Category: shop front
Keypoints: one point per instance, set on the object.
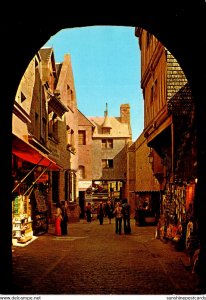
(30, 174)
(177, 212)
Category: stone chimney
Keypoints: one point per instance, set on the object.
(125, 113)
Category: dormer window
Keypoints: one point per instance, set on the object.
(106, 130)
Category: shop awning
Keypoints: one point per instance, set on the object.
(25, 151)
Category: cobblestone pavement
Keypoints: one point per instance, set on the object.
(92, 259)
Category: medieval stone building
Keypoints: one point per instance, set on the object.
(168, 128)
(43, 169)
(110, 140)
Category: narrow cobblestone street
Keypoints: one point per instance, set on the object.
(92, 259)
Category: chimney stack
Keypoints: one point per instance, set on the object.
(125, 113)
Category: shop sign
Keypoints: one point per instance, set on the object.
(85, 184)
(54, 151)
(88, 197)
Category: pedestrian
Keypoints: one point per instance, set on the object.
(89, 212)
(118, 218)
(126, 216)
(109, 211)
(64, 221)
(100, 213)
(58, 219)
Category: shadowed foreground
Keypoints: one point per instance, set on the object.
(92, 259)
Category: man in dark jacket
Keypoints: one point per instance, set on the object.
(126, 216)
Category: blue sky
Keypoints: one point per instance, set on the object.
(106, 68)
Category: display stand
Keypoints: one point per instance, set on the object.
(22, 223)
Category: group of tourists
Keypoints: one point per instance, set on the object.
(120, 211)
(61, 218)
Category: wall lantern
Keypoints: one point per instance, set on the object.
(150, 156)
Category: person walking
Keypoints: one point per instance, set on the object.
(100, 213)
(58, 219)
(64, 221)
(118, 218)
(126, 216)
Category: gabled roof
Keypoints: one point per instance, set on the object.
(46, 53)
(85, 118)
(118, 129)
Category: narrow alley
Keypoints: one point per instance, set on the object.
(92, 259)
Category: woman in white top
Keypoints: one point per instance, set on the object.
(118, 218)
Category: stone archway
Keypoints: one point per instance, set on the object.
(179, 26)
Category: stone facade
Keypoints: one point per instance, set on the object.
(69, 135)
(45, 119)
(85, 158)
(109, 148)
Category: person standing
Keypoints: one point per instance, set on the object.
(89, 212)
(118, 218)
(100, 213)
(126, 216)
(64, 221)
(58, 219)
(109, 211)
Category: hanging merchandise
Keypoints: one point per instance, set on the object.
(40, 211)
(22, 224)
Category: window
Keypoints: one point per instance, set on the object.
(107, 163)
(82, 137)
(53, 126)
(110, 163)
(110, 143)
(104, 163)
(104, 143)
(107, 143)
(43, 132)
(106, 130)
(81, 172)
(23, 97)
